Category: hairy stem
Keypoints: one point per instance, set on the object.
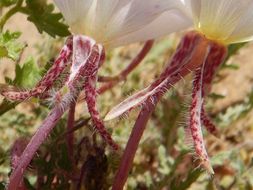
(188, 57)
(38, 138)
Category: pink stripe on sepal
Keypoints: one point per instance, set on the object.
(86, 77)
(195, 122)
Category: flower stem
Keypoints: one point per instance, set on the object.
(132, 145)
(38, 138)
(9, 14)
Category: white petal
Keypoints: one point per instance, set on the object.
(139, 14)
(191, 8)
(73, 10)
(168, 22)
(100, 15)
(244, 29)
(220, 19)
(119, 22)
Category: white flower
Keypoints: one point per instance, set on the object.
(119, 22)
(227, 21)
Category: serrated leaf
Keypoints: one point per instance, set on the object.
(9, 47)
(41, 14)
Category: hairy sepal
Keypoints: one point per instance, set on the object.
(188, 57)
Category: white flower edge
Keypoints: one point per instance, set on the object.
(229, 21)
(119, 22)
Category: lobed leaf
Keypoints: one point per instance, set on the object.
(41, 14)
(9, 47)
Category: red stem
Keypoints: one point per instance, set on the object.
(132, 145)
(112, 81)
(38, 138)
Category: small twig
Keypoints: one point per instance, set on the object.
(77, 126)
(9, 14)
(112, 81)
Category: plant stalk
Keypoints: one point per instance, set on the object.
(29, 152)
(9, 14)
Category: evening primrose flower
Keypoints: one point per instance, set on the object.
(217, 24)
(118, 22)
(226, 21)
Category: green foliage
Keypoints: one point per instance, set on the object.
(42, 15)
(9, 46)
(6, 3)
(26, 75)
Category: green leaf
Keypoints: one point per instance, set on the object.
(9, 47)
(215, 96)
(27, 75)
(3, 52)
(234, 48)
(41, 14)
(6, 3)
